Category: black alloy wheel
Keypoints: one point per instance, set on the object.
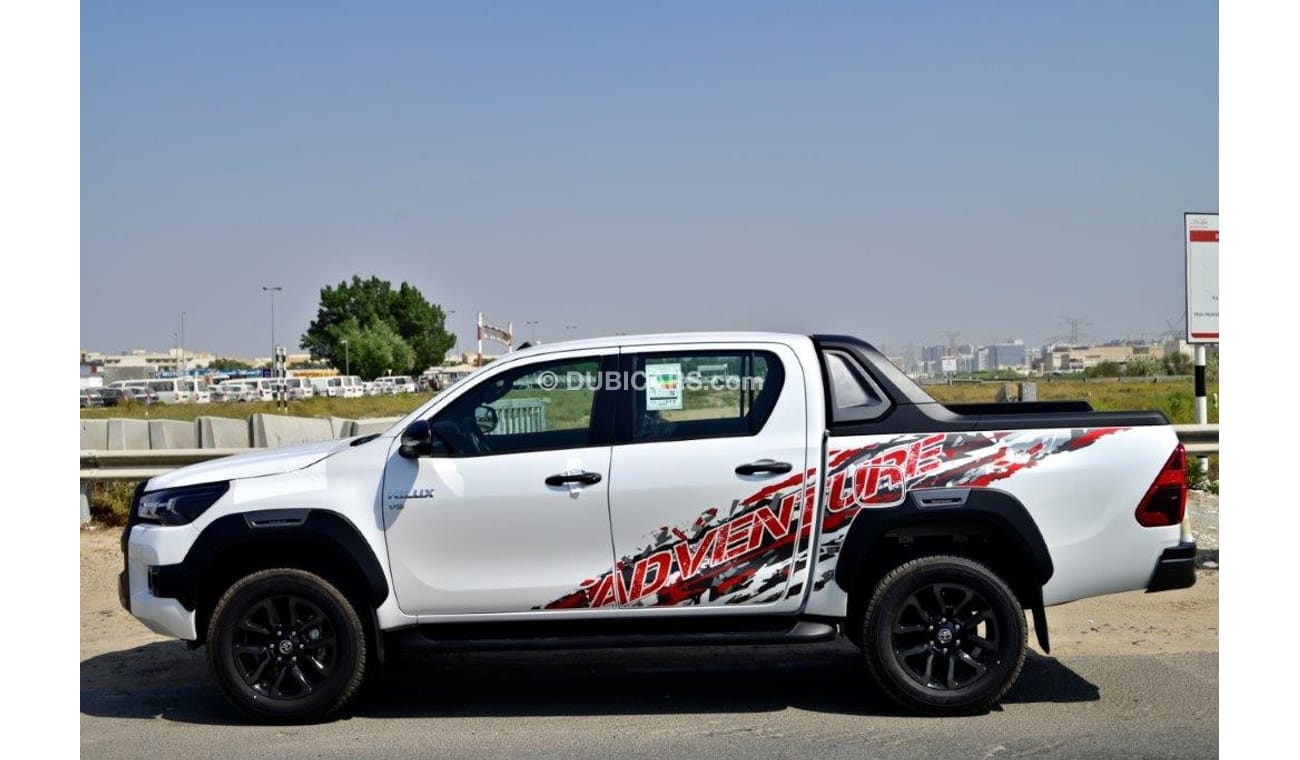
(943, 635)
(285, 645)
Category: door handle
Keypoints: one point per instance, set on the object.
(565, 478)
(763, 465)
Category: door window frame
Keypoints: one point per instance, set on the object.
(600, 430)
(625, 403)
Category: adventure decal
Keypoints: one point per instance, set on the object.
(758, 550)
(880, 473)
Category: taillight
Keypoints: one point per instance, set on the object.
(1166, 500)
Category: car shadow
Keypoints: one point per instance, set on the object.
(165, 680)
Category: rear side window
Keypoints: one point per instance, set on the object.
(854, 396)
(683, 396)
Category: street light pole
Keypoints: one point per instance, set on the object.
(271, 289)
(532, 329)
(183, 367)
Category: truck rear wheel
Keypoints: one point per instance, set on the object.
(286, 646)
(943, 635)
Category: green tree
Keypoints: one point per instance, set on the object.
(1178, 364)
(227, 364)
(377, 350)
(1143, 366)
(1104, 369)
(360, 305)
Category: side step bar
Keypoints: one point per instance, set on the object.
(454, 638)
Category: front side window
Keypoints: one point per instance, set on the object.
(538, 407)
(704, 394)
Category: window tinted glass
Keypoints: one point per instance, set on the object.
(704, 395)
(532, 408)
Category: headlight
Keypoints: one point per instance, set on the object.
(178, 506)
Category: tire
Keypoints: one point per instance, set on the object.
(305, 622)
(943, 635)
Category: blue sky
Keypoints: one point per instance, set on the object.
(889, 170)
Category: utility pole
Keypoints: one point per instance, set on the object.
(1074, 323)
(347, 358)
(274, 354)
(272, 290)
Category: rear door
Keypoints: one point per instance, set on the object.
(710, 494)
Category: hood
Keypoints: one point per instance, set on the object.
(255, 464)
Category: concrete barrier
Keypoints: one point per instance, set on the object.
(173, 434)
(373, 425)
(278, 430)
(94, 434)
(341, 427)
(128, 434)
(222, 433)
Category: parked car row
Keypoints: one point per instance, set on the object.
(189, 391)
(92, 397)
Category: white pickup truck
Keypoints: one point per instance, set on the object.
(666, 489)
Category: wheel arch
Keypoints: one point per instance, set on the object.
(318, 540)
(987, 525)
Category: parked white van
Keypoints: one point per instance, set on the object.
(339, 386)
(232, 390)
(198, 391)
(397, 383)
(299, 388)
(170, 391)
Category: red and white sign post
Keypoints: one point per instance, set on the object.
(1201, 245)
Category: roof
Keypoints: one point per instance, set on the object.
(639, 340)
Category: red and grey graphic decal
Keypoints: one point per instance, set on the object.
(881, 473)
(758, 550)
(746, 554)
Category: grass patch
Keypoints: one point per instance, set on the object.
(1175, 400)
(110, 501)
(351, 408)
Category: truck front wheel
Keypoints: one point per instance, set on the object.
(943, 635)
(286, 646)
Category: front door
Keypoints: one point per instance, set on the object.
(511, 508)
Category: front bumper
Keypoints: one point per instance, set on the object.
(1175, 569)
(161, 614)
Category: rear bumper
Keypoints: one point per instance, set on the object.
(1175, 569)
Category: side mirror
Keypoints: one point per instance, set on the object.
(485, 417)
(417, 440)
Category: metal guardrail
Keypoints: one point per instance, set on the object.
(138, 464)
(1199, 440)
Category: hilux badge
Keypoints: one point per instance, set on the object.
(415, 493)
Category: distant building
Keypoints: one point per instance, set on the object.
(1007, 355)
(1077, 358)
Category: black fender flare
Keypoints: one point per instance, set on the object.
(997, 510)
(930, 512)
(332, 534)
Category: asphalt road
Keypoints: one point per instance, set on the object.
(156, 700)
